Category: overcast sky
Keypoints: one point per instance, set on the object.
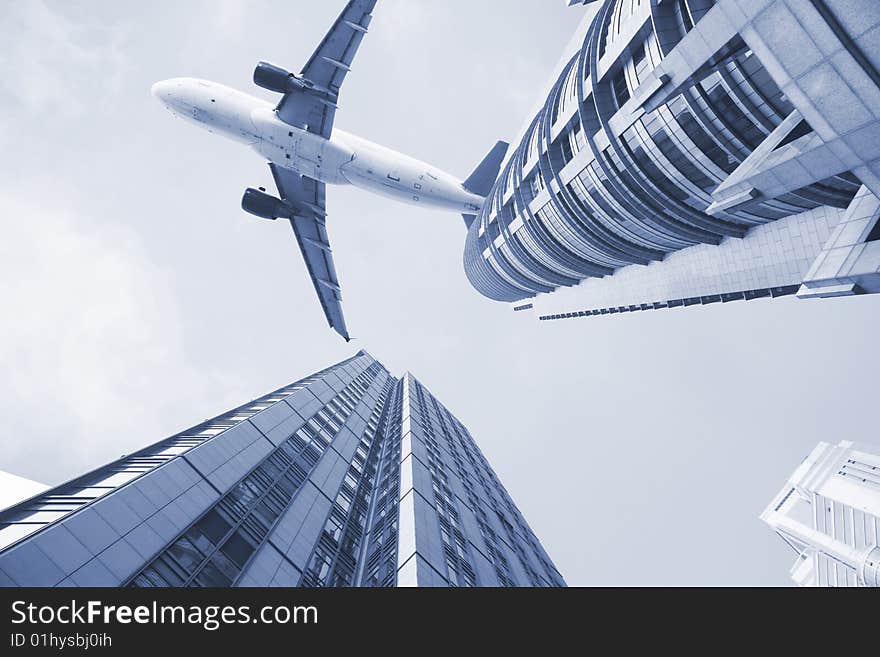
(138, 299)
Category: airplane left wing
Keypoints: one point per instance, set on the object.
(306, 198)
(315, 105)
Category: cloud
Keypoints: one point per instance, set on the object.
(90, 325)
(75, 60)
(227, 18)
(402, 20)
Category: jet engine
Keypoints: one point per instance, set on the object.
(274, 78)
(263, 205)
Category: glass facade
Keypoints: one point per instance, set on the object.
(662, 107)
(350, 477)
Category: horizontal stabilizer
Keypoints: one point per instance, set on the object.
(481, 180)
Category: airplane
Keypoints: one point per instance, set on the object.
(306, 154)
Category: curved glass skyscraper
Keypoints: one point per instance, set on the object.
(685, 126)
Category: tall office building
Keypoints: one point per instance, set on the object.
(829, 514)
(351, 477)
(691, 152)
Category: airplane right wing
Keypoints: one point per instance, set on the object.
(306, 197)
(315, 106)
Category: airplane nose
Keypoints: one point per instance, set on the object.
(160, 90)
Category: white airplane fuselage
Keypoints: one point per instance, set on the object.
(344, 159)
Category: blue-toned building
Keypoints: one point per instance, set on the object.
(691, 152)
(350, 477)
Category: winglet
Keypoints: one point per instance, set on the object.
(481, 180)
(341, 330)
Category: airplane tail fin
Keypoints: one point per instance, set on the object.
(481, 180)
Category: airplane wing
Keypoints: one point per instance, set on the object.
(325, 71)
(307, 198)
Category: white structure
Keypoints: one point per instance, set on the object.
(15, 489)
(829, 513)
